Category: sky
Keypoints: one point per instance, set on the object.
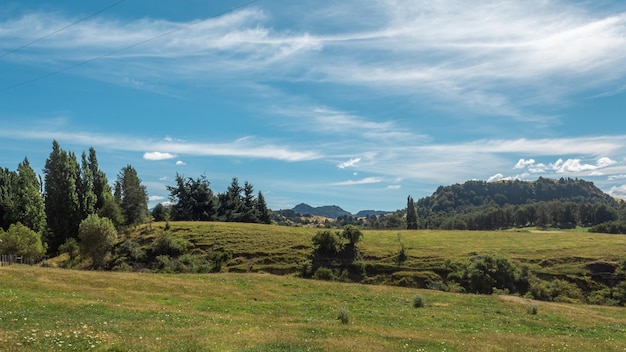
(351, 103)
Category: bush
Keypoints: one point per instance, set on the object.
(326, 274)
(169, 245)
(327, 243)
(20, 240)
(344, 315)
(97, 236)
(418, 301)
(71, 248)
(488, 272)
(532, 310)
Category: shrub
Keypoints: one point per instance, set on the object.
(20, 240)
(323, 273)
(344, 315)
(532, 310)
(326, 243)
(71, 248)
(97, 236)
(169, 245)
(352, 233)
(488, 272)
(418, 301)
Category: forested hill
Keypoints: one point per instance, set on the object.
(455, 198)
(484, 205)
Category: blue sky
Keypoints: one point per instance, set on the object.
(353, 103)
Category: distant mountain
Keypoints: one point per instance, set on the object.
(328, 211)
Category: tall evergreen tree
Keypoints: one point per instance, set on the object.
(265, 216)
(61, 196)
(411, 214)
(231, 203)
(101, 186)
(8, 185)
(86, 195)
(30, 209)
(131, 196)
(250, 211)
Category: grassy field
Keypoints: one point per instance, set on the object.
(282, 249)
(46, 309)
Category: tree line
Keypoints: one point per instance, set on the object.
(194, 200)
(43, 215)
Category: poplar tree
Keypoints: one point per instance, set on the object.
(61, 196)
(101, 187)
(86, 195)
(411, 214)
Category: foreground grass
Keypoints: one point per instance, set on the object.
(44, 309)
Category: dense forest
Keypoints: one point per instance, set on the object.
(544, 203)
(75, 207)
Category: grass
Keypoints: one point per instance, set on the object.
(46, 309)
(281, 249)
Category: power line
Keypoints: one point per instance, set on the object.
(111, 53)
(61, 29)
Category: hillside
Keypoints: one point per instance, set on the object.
(45, 309)
(480, 205)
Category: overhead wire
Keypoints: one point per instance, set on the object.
(111, 53)
(62, 29)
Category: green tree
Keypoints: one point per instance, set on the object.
(161, 213)
(20, 240)
(29, 204)
(250, 211)
(131, 196)
(97, 236)
(231, 204)
(327, 243)
(101, 187)
(193, 199)
(265, 216)
(8, 187)
(86, 194)
(411, 214)
(61, 196)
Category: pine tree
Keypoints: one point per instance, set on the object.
(251, 213)
(131, 196)
(61, 196)
(8, 186)
(265, 216)
(231, 203)
(411, 214)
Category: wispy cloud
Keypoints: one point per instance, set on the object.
(495, 57)
(244, 148)
(364, 181)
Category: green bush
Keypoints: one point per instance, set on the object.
(19, 240)
(97, 236)
(344, 315)
(167, 244)
(418, 301)
(323, 273)
(532, 310)
(326, 243)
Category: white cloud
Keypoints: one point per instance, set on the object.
(164, 178)
(350, 163)
(576, 166)
(180, 163)
(155, 198)
(618, 191)
(522, 163)
(158, 156)
(616, 177)
(495, 178)
(364, 181)
(394, 187)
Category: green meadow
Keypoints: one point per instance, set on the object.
(244, 308)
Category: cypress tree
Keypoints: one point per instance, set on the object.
(411, 214)
(265, 216)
